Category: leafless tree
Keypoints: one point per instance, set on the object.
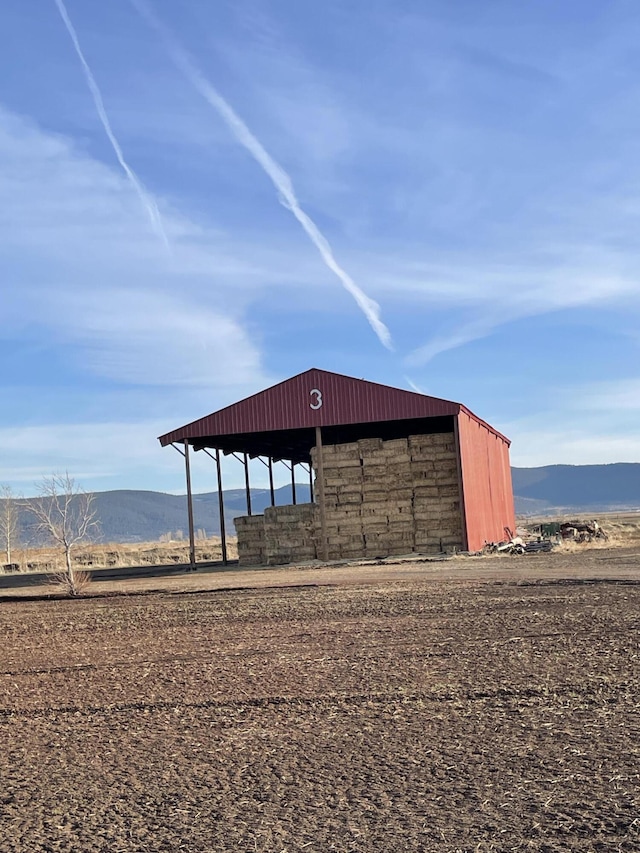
(9, 509)
(65, 514)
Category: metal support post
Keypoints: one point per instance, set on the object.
(271, 489)
(246, 483)
(192, 538)
(223, 532)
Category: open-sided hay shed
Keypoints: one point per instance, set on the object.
(392, 471)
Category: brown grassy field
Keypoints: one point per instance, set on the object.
(623, 529)
(120, 554)
(484, 704)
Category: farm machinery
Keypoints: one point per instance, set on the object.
(545, 536)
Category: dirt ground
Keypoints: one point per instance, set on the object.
(469, 705)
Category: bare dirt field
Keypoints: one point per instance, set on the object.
(469, 705)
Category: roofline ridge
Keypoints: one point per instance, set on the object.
(379, 384)
(455, 408)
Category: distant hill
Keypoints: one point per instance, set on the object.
(132, 516)
(142, 516)
(577, 487)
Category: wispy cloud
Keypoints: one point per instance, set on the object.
(615, 397)
(514, 294)
(95, 454)
(413, 385)
(82, 269)
(115, 454)
(148, 338)
(576, 421)
(147, 200)
(458, 337)
(301, 103)
(477, 178)
(275, 172)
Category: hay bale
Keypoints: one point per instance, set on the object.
(401, 497)
(422, 467)
(343, 477)
(425, 493)
(400, 526)
(373, 529)
(346, 464)
(350, 489)
(343, 514)
(397, 445)
(368, 446)
(349, 498)
(446, 491)
(331, 480)
(375, 463)
(374, 509)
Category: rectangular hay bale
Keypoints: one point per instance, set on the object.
(367, 446)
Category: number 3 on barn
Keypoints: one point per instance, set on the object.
(316, 398)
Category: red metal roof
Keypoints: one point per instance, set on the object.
(315, 398)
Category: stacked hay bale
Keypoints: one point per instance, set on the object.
(382, 498)
(289, 533)
(393, 497)
(252, 546)
(343, 481)
(387, 519)
(368, 498)
(436, 492)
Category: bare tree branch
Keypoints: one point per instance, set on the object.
(9, 513)
(65, 514)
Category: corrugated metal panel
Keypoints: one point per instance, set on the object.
(314, 398)
(486, 481)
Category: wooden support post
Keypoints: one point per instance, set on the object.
(324, 545)
(246, 483)
(310, 483)
(293, 482)
(192, 537)
(223, 532)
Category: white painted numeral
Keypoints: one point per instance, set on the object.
(317, 404)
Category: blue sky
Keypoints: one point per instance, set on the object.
(475, 168)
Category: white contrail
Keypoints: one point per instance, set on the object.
(413, 385)
(279, 177)
(146, 199)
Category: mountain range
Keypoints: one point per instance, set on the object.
(576, 488)
(144, 516)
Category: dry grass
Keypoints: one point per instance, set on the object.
(67, 585)
(571, 546)
(622, 529)
(120, 555)
(585, 565)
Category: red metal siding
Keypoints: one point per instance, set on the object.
(486, 482)
(345, 400)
